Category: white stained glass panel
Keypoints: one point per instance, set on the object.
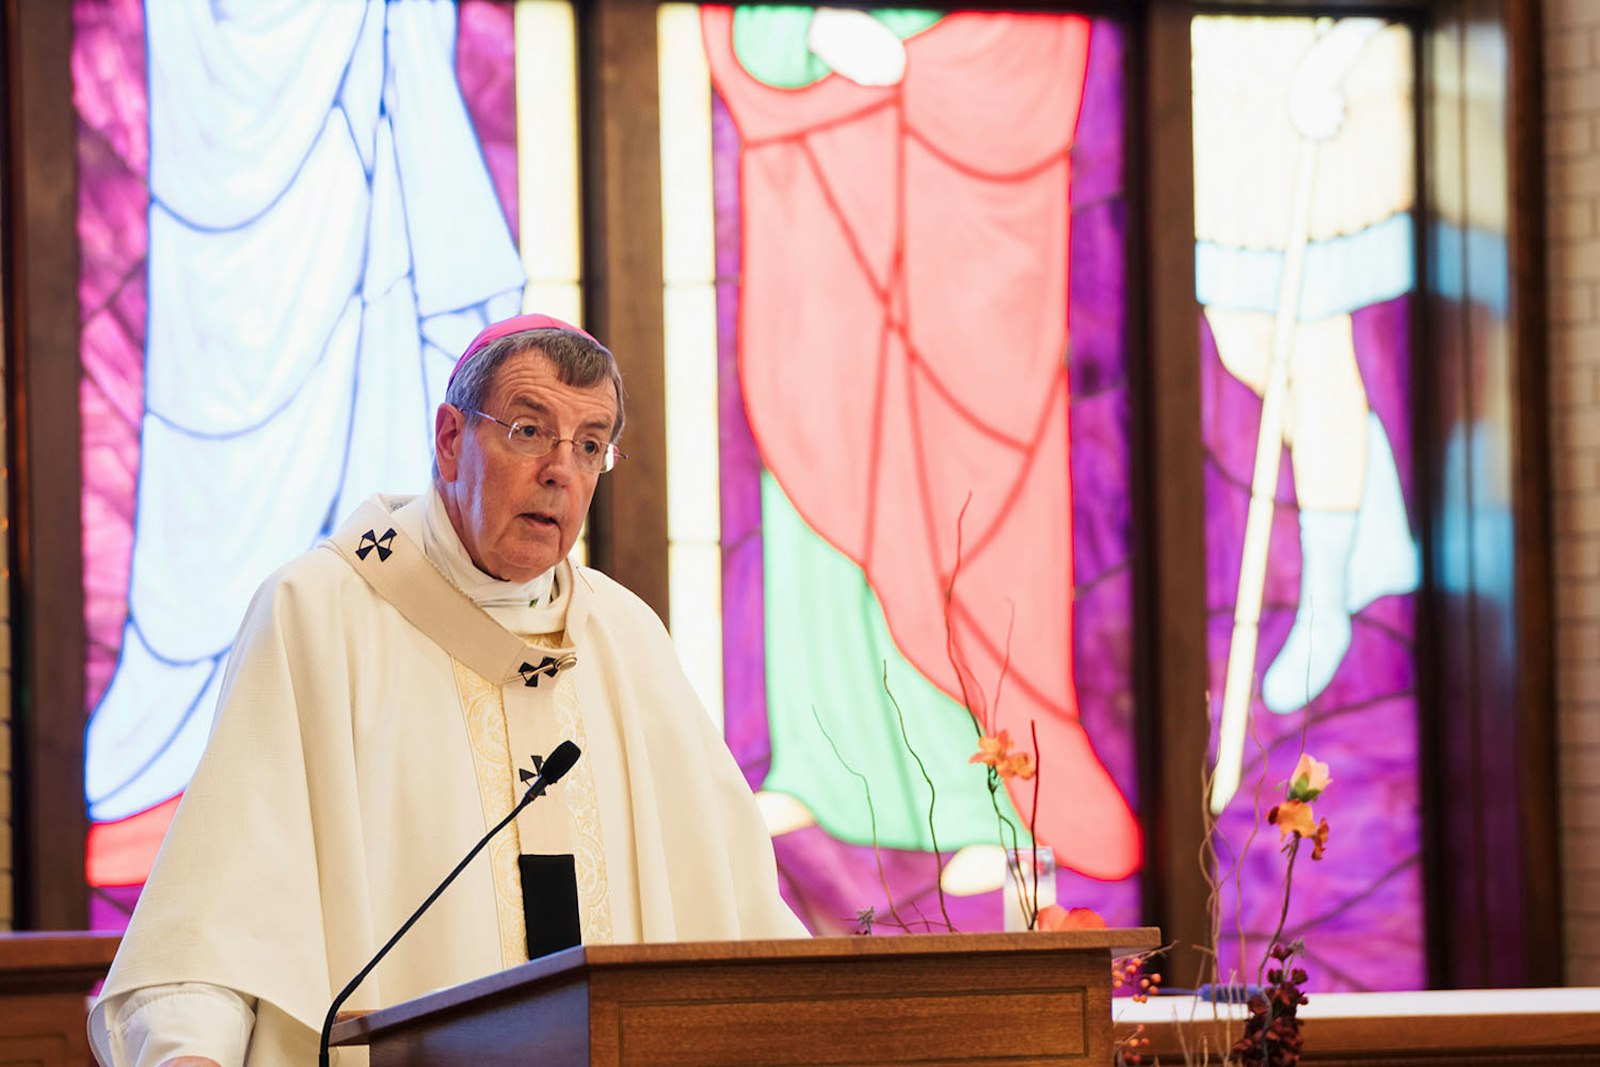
(694, 557)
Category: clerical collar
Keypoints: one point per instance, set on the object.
(443, 546)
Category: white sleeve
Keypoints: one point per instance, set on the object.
(151, 1025)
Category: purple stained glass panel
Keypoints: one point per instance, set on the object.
(1335, 558)
(113, 156)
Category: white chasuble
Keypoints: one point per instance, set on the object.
(356, 758)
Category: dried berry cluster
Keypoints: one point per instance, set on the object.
(1272, 1036)
(1128, 1052)
(1125, 971)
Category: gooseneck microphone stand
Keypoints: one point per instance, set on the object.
(557, 765)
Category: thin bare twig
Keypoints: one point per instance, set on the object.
(1199, 1052)
(872, 816)
(981, 719)
(1005, 664)
(1033, 821)
(1005, 827)
(952, 650)
(933, 795)
(1255, 830)
(1283, 915)
(927, 923)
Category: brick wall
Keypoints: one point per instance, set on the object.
(1572, 184)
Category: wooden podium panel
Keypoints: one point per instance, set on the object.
(45, 979)
(1014, 999)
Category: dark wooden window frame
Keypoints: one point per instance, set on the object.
(1492, 867)
(49, 820)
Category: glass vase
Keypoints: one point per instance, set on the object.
(1030, 885)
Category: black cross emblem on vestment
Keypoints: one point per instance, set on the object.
(370, 541)
(549, 666)
(538, 766)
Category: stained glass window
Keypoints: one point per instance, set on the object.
(290, 225)
(898, 405)
(1305, 184)
(905, 281)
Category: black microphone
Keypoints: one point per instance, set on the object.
(555, 766)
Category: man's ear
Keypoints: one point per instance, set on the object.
(449, 426)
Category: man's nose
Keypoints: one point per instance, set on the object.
(559, 464)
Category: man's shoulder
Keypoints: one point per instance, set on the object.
(307, 601)
(323, 568)
(314, 574)
(634, 642)
(614, 602)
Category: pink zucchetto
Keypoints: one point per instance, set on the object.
(516, 324)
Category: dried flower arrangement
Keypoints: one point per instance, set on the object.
(1272, 1035)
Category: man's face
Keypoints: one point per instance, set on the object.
(519, 515)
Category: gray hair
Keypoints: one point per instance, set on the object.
(580, 361)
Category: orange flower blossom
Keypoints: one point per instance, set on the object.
(996, 752)
(1055, 917)
(1293, 817)
(1319, 840)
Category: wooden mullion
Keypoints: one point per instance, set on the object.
(1488, 668)
(623, 281)
(50, 821)
(1171, 576)
(1534, 705)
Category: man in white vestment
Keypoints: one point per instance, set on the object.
(384, 695)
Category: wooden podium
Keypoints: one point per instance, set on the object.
(1030, 998)
(45, 979)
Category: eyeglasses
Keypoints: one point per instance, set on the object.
(594, 455)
